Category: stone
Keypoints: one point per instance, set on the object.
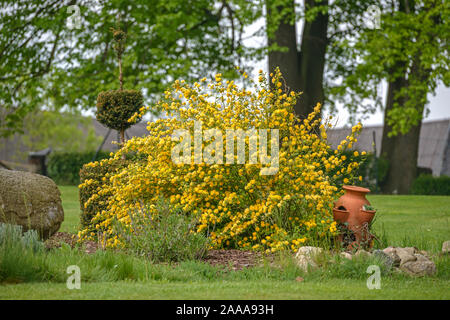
(31, 201)
(397, 270)
(421, 257)
(446, 247)
(410, 250)
(387, 259)
(346, 255)
(392, 253)
(405, 255)
(419, 267)
(305, 257)
(362, 253)
(424, 253)
(389, 250)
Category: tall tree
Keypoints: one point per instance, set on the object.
(407, 93)
(411, 52)
(60, 50)
(309, 65)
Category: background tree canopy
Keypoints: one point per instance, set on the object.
(45, 62)
(58, 55)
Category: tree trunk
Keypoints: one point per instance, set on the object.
(402, 160)
(303, 71)
(288, 62)
(402, 151)
(389, 144)
(122, 137)
(312, 64)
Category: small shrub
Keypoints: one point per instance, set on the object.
(12, 235)
(20, 255)
(166, 236)
(429, 185)
(64, 167)
(23, 258)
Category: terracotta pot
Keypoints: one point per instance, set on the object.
(366, 216)
(340, 216)
(349, 209)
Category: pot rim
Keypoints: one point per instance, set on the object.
(356, 189)
(368, 211)
(339, 210)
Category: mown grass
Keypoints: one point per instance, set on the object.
(71, 204)
(401, 221)
(345, 289)
(419, 221)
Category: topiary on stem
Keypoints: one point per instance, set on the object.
(115, 107)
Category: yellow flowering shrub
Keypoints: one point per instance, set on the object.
(233, 204)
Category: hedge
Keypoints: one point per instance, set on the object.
(94, 176)
(64, 167)
(426, 184)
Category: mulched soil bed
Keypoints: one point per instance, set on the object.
(70, 239)
(235, 259)
(230, 258)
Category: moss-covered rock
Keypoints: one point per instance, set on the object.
(31, 201)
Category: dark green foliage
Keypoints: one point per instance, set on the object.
(64, 167)
(115, 107)
(95, 172)
(370, 168)
(166, 40)
(426, 184)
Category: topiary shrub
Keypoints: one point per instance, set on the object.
(114, 110)
(64, 167)
(94, 178)
(115, 107)
(426, 184)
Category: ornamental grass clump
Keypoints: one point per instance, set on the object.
(164, 237)
(234, 204)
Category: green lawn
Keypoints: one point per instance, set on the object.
(71, 204)
(329, 289)
(421, 221)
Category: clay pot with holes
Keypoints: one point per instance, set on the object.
(350, 210)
